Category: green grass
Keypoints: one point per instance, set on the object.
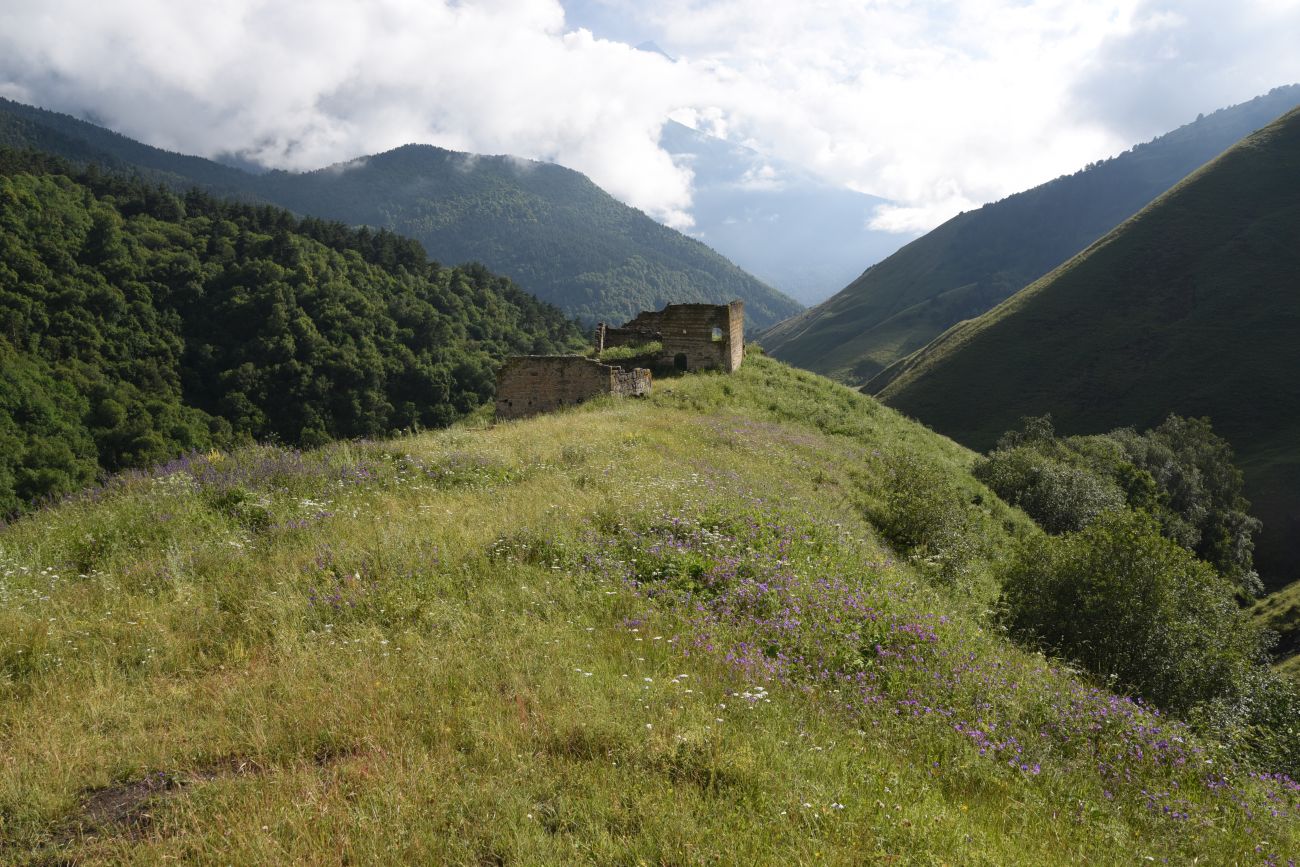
(1280, 612)
(620, 353)
(1188, 308)
(428, 650)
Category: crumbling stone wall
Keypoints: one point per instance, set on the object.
(529, 384)
(694, 336)
(607, 337)
(631, 382)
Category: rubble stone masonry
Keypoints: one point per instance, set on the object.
(530, 384)
(694, 336)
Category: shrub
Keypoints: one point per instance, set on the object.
(622, 353)
(1181, 472)
(1059, 497)
(1132, 606)
(925, 516)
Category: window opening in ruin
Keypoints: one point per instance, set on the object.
(679, 361)
(717, 334)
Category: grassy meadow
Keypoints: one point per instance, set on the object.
(666, 631)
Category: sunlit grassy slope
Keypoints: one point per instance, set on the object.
(659, 632)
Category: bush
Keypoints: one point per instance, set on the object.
(1059, 497)
(621, 353)
(1181, 472)
(1132, 606)
(1260, 725)
(925, 516)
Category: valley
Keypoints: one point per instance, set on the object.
(549, 433)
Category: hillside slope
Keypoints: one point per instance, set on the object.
(550, 229)
(1190, 307)
(136, 325)
(547, 227)
(662, 631)
(977, 259)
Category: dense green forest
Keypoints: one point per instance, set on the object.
(1180, 473)
(552, 230)
(1190, 307)
(137, 324)
(977, 259)
(548, 227)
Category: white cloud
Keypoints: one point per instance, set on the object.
(1178, 58)
(933, 104)
(764, 177)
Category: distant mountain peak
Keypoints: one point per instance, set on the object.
(550, 228)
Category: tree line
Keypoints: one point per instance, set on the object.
(137, 323)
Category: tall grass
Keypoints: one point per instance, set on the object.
(665, 631)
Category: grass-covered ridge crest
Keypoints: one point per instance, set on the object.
(663, 631)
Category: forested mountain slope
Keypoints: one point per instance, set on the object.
(977, 259)
(136, 325)
(1190, 307)
(547, 227)
(551, 229)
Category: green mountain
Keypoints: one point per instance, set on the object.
(750, 619)
(547, 227)
(1191, 307)
(977, 259)
(1280, 613)
(136, 325)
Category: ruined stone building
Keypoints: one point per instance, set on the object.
(529, 384)
(680, 337)
(693, 336)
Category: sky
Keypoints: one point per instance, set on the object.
(936, 105)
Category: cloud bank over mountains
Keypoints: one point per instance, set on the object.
(937, 106)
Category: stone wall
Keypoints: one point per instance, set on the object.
(631, 382)
(703, 336)
(694, 336)
(529, 384)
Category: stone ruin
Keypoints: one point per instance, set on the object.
(680, 337)
(529, 384)
(693, 336)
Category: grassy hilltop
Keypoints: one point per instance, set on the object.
(747, 620)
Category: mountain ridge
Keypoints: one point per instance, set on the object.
(981, 257)
(564, 239)
(136, 325)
